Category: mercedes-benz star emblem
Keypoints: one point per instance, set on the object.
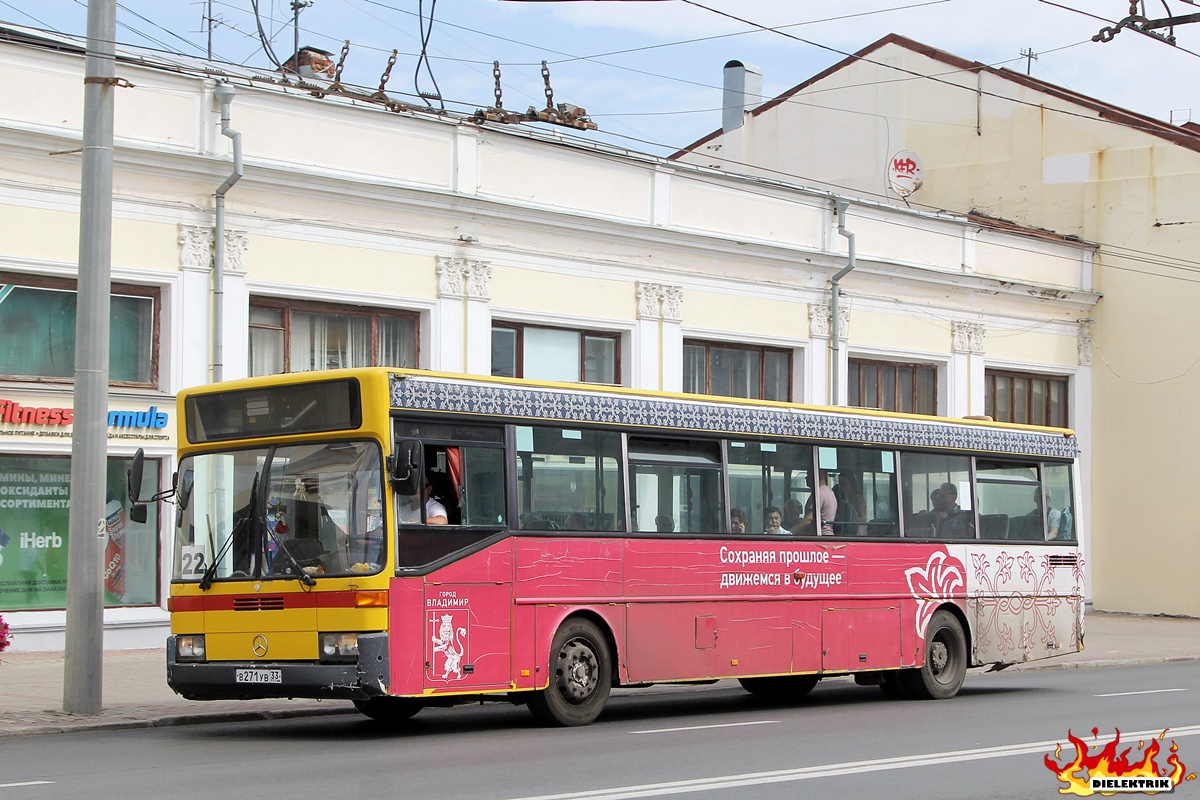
(259, 646)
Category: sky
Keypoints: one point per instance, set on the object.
(649, 72)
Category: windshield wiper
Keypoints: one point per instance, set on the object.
(209, 574)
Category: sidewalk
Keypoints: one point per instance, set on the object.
(136, 692)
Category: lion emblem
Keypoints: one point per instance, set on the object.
(448, 641)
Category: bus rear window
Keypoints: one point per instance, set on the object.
(274, 411)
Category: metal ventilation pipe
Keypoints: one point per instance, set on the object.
(224, 93)
(835, 342)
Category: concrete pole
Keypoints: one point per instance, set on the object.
(83, 670)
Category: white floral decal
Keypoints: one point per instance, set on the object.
(933, 585)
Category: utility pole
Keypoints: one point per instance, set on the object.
(83, 670)
(1029, 57)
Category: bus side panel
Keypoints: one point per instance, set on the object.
(764, 598)
(467, 637)
(569, 570)
(860, 635)
(406, 651)
(1024, 602)
(680, 641)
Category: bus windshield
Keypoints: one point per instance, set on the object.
(281, 512)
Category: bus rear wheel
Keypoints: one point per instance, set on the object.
(945, 660)
(580, 677)
(780, 688)
(388, 709)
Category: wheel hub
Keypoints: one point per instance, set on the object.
(939, 655)
(578, 671)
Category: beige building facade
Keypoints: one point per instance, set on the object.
(1000, 145)
(366, 235)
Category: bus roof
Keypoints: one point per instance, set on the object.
(521, 399)
(588, 403)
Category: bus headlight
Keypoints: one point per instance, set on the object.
(338, 646)
(189, 648)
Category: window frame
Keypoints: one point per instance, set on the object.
(584, 333)
(762, 350)
(288, 307)
(126, 289)
(990, 396)
(855, 363)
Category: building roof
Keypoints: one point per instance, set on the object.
(1187, 135)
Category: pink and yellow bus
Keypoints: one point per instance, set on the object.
(404, 539)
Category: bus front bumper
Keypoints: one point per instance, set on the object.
(252, 680)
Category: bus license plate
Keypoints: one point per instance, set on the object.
(258, 676)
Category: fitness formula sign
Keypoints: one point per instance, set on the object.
(38, 419)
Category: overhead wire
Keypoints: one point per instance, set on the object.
(1137, 256)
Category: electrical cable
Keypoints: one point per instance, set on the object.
(423, 59)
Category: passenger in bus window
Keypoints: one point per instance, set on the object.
(441, 499)
(948, 519)
(435, 513)
(773, 521)
(791, 513)
(1053, 515)
(737, 520)
(664, 524)
(851, 505)
(827, 506)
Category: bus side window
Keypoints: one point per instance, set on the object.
(569, 479)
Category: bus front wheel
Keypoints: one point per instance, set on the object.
(580, 677)
(945, 660)
(388, 709)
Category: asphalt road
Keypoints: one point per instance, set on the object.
(843, 741)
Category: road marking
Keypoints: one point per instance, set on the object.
(1147, 691)
(25, 783)
(725, 782)
(707, 727)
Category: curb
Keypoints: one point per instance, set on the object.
(177, 720)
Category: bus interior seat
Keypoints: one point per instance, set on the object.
(1026, 528)
(993, 526)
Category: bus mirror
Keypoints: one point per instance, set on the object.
(138, 513)
(135, 476)
(184, 492)
(406, 469)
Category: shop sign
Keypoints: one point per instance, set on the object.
(17, 419)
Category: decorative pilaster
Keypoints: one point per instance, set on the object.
(1085, 344)
(820, 316)
(452, 276)
(236, 245)
(968, 337)
(672, 303)
(196, 247)
(479, 280)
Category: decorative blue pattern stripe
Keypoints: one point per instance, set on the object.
(520, 402)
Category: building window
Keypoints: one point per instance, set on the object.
(555, 354)
(298, 337)
(1027, 398)
(891, 386)
(757, 373)
(38, 320)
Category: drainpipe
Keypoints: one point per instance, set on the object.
(835, 342)
(224, 93)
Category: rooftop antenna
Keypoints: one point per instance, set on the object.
(297, 7)
(1029, 57)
